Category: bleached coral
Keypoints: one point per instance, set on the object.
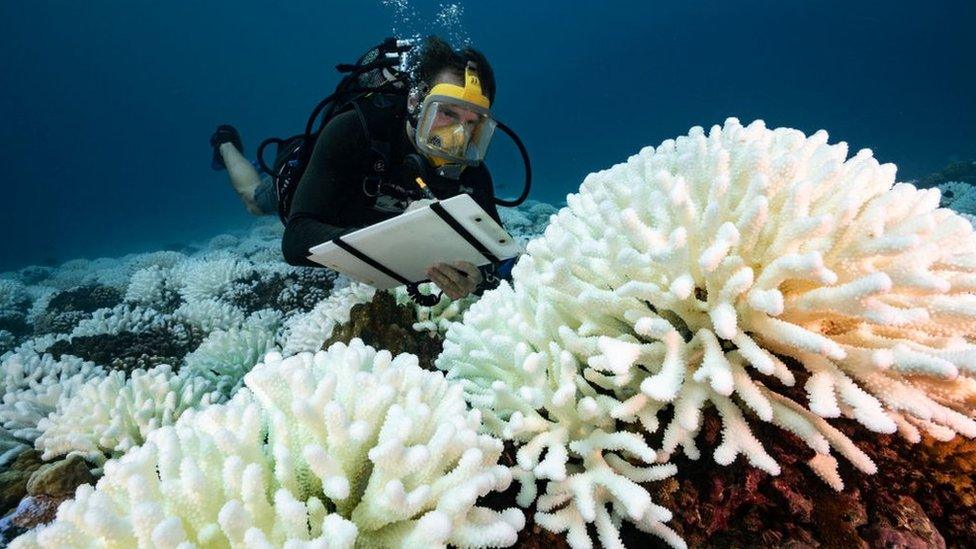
(528, 220)
(121, 318)
(31, 385)
(109, 415)
(719, 269)
(208, 278)
(163, 259)
(959, 196)
(308, 332)
(225, 356)
(349, 447)
(13, 295)
(147, 286)
(209, 314)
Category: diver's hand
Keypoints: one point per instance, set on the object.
(450, 280)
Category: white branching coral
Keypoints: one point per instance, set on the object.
(147, 286)
(210, 314)
(309, 331)
(208, 278)
(111, 414)
(719, 269)
(121, 318)
(31, 385)
(225, 356)
(347, 447)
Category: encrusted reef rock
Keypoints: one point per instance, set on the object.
(60, 478)
(922, 496)
(14, 477)
(48, 486)
(384, 324)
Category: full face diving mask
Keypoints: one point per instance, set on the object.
(455, 127)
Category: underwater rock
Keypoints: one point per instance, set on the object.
(60, 478)
(14, 477)
(384, 324)
(31, 512)
(922, 495)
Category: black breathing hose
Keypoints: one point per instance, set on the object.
(528, 169)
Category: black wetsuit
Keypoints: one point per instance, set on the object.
(338, 193)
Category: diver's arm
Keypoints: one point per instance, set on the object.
(324, 188)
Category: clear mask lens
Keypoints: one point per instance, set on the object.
(453, 132)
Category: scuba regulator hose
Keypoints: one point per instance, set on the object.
(528, 168)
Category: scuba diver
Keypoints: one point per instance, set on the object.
(402, 131)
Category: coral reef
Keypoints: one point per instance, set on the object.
(109, 415)
(718, 270)
(286, 458)
(741, 291)
(32, 385)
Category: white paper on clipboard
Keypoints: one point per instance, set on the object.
(413, 241)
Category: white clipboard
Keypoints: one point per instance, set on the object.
(413, 241)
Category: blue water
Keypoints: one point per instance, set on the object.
(106, 107)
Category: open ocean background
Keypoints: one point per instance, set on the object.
(106, 107)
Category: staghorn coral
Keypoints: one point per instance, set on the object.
(347, 447)
(718, 269)
(108, 415)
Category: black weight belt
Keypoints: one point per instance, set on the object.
(438, 209)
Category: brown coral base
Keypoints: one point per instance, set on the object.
(922, 496)
(383, 324)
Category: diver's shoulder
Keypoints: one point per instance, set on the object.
(346, 123)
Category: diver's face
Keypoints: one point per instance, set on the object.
(451, 114)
